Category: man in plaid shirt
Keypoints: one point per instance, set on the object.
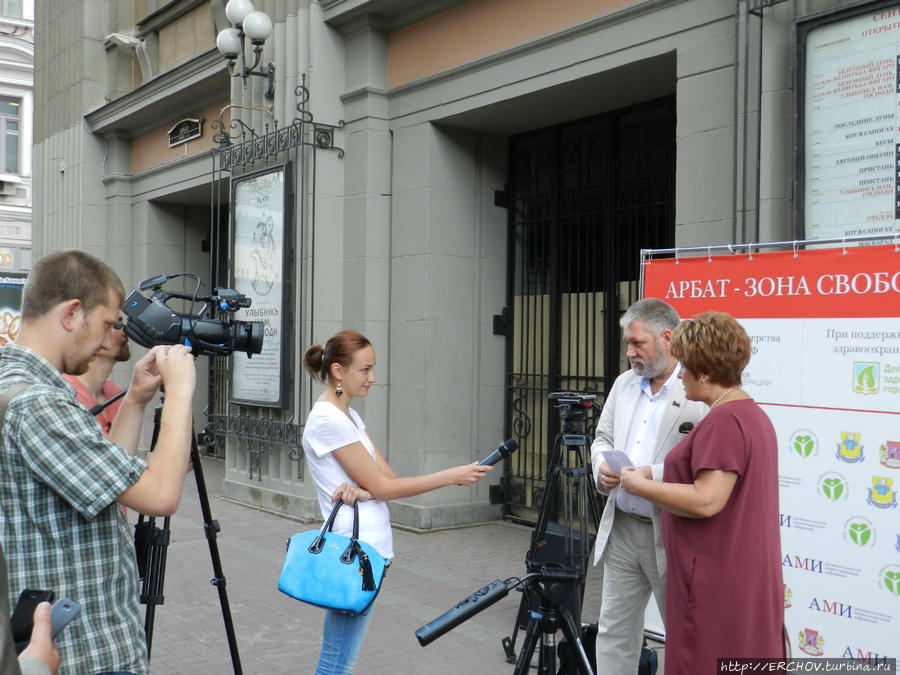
(61, 479)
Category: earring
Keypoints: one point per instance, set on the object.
(704, 379)
(340, 390)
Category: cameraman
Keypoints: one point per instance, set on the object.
(60, 478)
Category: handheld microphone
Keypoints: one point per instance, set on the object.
(506, 448)
(478, 601)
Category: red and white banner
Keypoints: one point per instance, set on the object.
(825, 330)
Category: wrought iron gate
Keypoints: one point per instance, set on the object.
(259, 431)
(583, 199)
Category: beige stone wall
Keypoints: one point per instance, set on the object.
(152, 149)
(478, 29)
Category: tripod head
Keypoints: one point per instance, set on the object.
(572, 407)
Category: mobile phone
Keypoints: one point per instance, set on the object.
(23, 614)
(62, 612)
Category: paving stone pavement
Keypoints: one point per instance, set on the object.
(277, 634)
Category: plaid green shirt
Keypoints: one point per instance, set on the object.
(60, 526)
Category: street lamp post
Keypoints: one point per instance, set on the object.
(246, 22)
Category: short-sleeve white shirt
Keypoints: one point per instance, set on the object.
(328, 429)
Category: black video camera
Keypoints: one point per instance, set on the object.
(152, 322)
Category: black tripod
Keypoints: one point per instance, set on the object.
(151, 544)
(549, 617)
(544, 609)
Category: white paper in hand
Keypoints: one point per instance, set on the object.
(616, 459)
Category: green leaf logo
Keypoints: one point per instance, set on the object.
(892, 582)
(866, 377)
(860, 533)
(803, 445)
(833, 488)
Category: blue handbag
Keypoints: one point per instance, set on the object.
(333, 571)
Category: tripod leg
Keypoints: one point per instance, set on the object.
(509, 643)
(573, 639)
(212, 528)
(547, 656)
(532, 633)
(154, 576)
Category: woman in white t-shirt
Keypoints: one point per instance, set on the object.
(346, 464)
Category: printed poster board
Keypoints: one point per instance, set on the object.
(825, 366)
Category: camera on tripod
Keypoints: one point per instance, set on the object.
(152, 322)
(556, 561)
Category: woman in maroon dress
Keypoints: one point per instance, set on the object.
(719, 496)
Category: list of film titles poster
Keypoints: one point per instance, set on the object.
(258, 265)
(852, 157)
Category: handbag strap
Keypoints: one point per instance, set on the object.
(319, 541)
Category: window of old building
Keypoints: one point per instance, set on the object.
(9, 135)
(11, 8)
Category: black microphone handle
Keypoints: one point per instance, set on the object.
(100, 407)
(492, 458)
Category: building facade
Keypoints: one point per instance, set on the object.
(16, 98)
(471, 187)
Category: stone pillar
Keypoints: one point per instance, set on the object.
(439, 335)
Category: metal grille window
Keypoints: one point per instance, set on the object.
(9, 135)
(584, 198)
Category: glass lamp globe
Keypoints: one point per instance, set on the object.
(237, 11)
(257, 27)
(229, 43)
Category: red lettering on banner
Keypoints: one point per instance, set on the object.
(695, 288)
(817, 283)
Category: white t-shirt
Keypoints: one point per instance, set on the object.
(328, 429)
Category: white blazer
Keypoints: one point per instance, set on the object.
(612, 434)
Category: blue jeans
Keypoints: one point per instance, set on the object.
(342, 637)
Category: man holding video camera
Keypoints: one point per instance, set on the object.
(61, 479)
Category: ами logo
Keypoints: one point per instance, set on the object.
(849, 449)
(865, 377)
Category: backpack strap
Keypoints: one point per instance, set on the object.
(8, 395)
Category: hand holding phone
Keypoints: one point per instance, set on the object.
(61, 614)
(23, 615)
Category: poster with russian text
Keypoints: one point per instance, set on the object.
(825, 331)
(259, 206)
(852, 126)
